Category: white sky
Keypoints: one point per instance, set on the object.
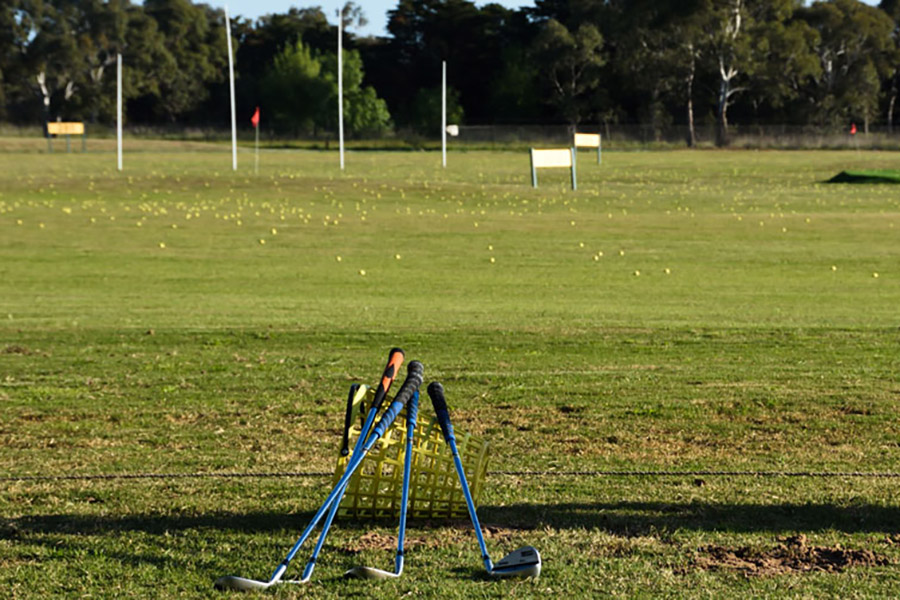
(375, 10)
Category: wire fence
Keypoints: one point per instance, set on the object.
(499, 137)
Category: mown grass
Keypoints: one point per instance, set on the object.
(681, 311)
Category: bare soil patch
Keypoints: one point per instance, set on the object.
(793, 554)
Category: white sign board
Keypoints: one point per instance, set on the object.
(587, 140)
(552, 158)
(590, 140)
(561, 157)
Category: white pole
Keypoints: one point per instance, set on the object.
(340, 74)
(119, 109)
(231, 81)
(256, 164)
(444, 113)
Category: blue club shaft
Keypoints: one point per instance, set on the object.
(364, 432)
(355, 461)
(470, 503)
(412, 410)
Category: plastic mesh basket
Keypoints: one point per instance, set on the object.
(375, 489)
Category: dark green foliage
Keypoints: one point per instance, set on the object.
(661, 63)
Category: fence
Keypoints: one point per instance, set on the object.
(515, 137)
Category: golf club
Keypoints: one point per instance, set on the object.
(410, 385)
(523, 562)
(412, 409)
(311, 563)
(345, 439)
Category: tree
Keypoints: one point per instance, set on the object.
(892, 8)
(572, 63)
(293, 90)
(300, 90)
(856, 52)
(663, 53)
(784, 61)
(195, 39)
(364, 112)
(426, 109)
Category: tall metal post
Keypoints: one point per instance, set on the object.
(119, 110)
(231, 86)
(340, 74)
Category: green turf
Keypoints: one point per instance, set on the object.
(681, 311)
(867, 176)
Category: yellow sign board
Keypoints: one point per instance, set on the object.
(63, 128)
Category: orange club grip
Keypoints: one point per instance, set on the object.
(391, 370)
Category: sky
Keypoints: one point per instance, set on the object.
(375, 10)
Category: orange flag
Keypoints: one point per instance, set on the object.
(852, 128)
(255, 118)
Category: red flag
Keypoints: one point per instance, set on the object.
(852, 128)
(255, 118)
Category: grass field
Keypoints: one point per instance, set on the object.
(683, 311)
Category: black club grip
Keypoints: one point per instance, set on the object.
(414, 374)
(436, 393)
(345, 441)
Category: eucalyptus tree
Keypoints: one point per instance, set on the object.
(892, 8)
(856, 51)
(571, 61)
(663, 51)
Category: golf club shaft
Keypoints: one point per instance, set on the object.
(311, 564)
(470, 504)
(412, 414)
(436, 392)
(410, 385)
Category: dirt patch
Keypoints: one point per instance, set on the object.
(16, 349)
(791, 555)
(379, 541)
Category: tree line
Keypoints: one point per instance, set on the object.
(656, 62)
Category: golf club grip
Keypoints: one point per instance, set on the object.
(345, 441)
(414, 373)
(436, 393)
(395, 359)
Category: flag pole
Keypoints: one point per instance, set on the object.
(256, 165)
(340, 74)
(444, 114)
(119, 110)
(231, 86)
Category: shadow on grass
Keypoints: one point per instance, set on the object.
(621, 518)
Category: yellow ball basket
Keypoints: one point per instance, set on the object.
(374, 490)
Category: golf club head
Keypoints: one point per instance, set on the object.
(523, 562)
(231, 582)
(369, 573)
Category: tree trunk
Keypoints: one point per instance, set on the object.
(691, 132)
(890, 112)
(722, 115)
(45, 93)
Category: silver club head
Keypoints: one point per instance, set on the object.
(231, 582)
(524, 562)
(369, 573)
